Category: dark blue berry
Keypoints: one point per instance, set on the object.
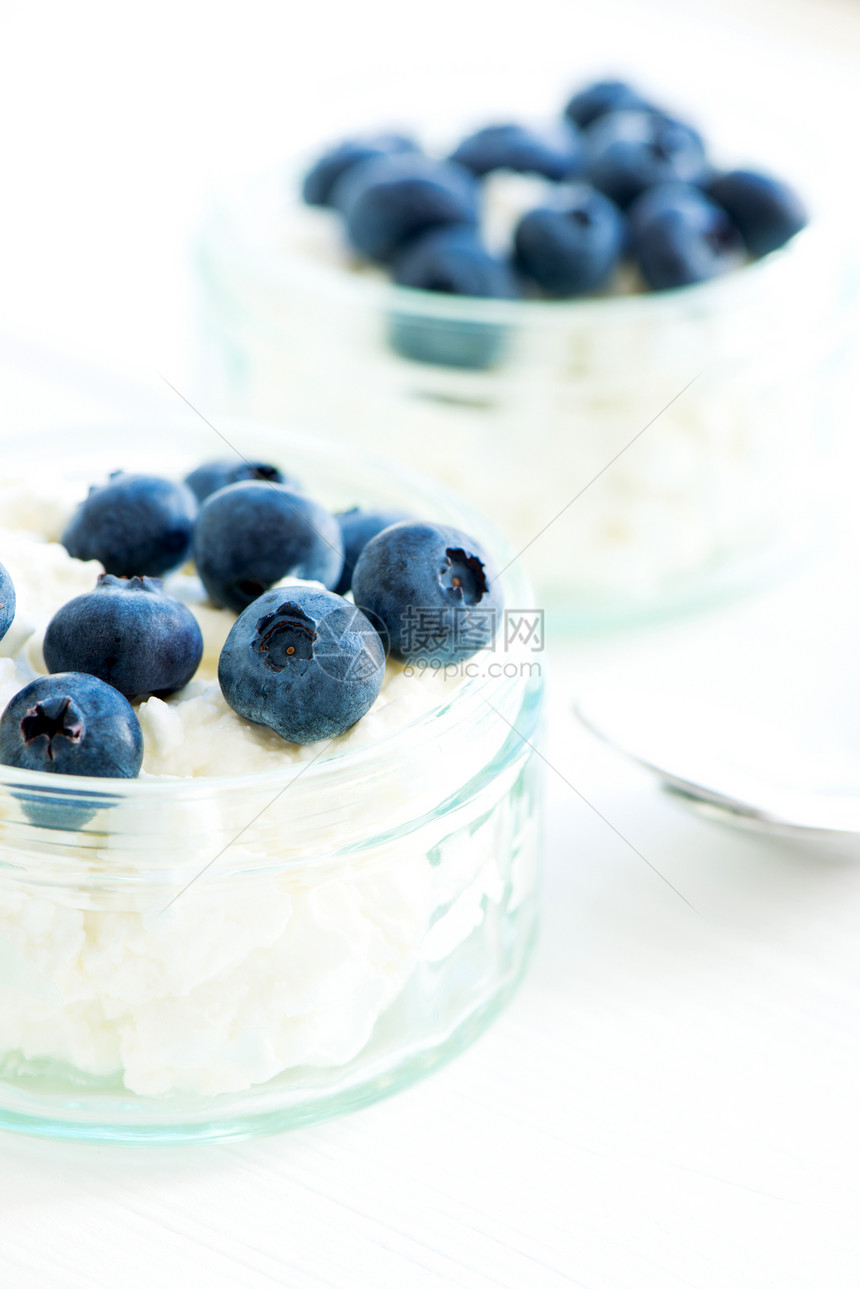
(305, 662)
(212, 475)
(357, 526)
(7, 601)
(327, 172)
(251, 535)
(767, 211)
(136, 525)
(128, 633)
(631, 151)
(432, 590)
(72, 724)
(453, 261)
(450, 261)
(554, 153)
(387, 202)
(601, 98)
(680, 237)
(573, 247)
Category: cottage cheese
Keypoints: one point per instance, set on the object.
(239, 981)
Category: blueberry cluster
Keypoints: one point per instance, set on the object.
(304, 660)
(625, 181)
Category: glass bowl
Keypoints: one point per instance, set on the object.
(652, 451)
(211, 958)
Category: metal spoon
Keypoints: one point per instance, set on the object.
(731, 765)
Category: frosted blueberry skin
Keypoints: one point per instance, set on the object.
(250, 535)
(304, 662)
(72, 724)
(212, 475)
(629, 152)
(680, 237)
(129, 634)
(556, 154)
(602, 97)
(357, 527)
(571, 248)
(767, 212)
(135, 525)
(387, 202)
(7, 601)
(326, 173)
(431, 590)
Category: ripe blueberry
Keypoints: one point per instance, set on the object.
(393, 199)
(433, 590)
(680, 237)
(212, 475)
(767, 211)
(250, 535)
(136, 525)
(326, 173)
(556, 153)
(128, 633)
(357, 526)
(71, 724)
(573, 247)
(305, 662)
(631, 151)
(7, 601)
(601, 98)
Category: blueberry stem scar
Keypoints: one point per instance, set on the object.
(57, 718)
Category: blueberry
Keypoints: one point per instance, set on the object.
(357, 526)
(554, 153)
(7, 601)
(453, 261)
(450, 261)
(325, 174)
(253, 534)
(432, 589)
(136, 524)
(767, 211)
(573, 247)
(601, 98)
(212, 475)
(71, 723)
(668, 196)
(388, 201)
(305, 662)
(128, 633)
(680, 237)
(631, 151)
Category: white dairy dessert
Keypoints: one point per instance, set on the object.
(237, 981)
(737, 390)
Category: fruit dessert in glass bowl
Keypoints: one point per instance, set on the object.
(513, 310)
(269, 825)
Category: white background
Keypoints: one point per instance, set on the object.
(672, 1098)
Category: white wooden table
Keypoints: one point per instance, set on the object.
(672, 1098)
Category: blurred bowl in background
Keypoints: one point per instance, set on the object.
(655, 452)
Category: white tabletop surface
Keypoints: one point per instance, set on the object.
(672, 1098)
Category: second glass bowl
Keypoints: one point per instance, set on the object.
(651, 451)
